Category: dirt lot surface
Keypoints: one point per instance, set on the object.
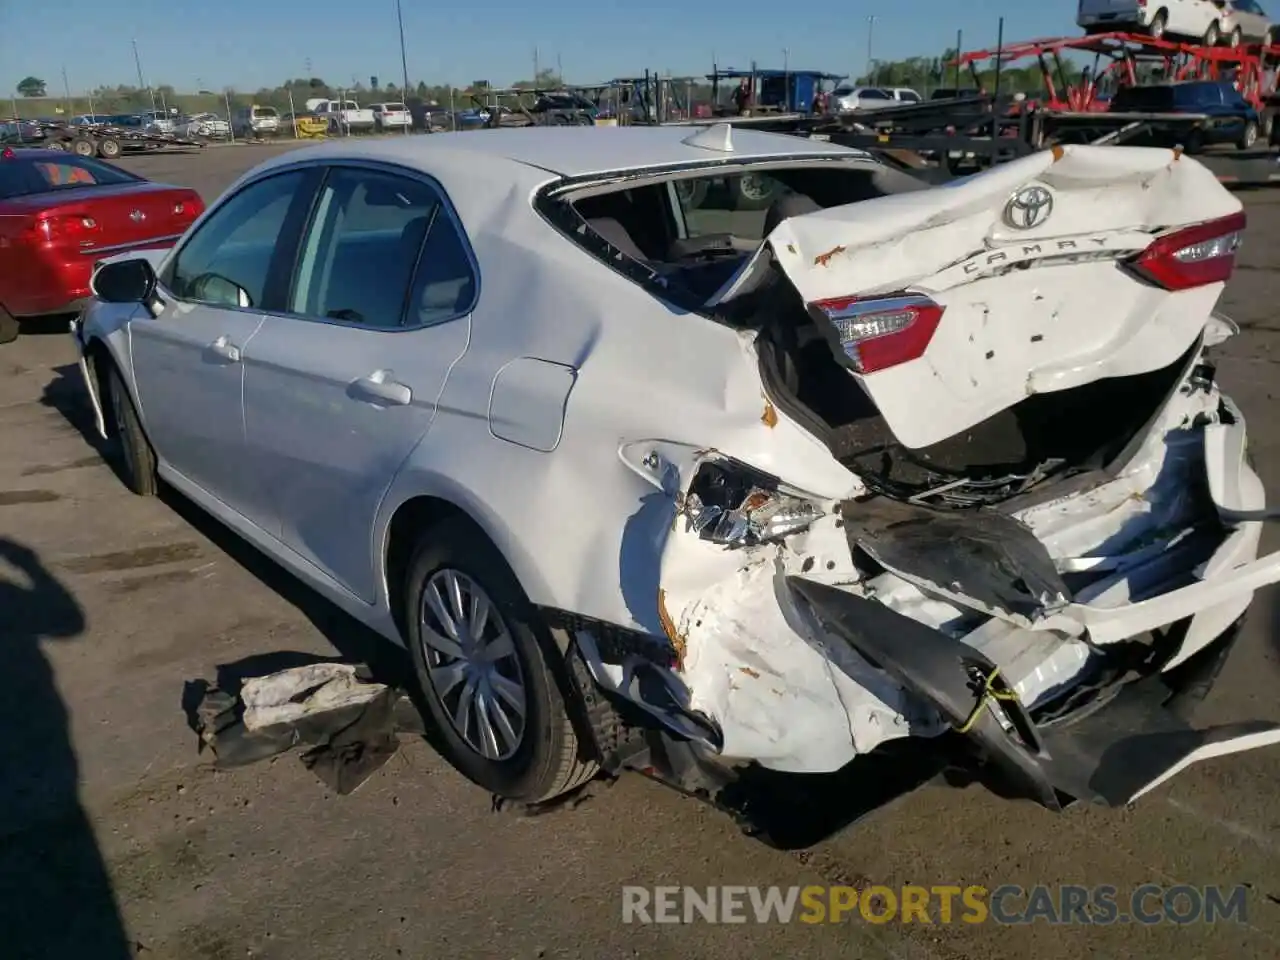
(117, 840)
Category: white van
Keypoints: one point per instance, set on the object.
(1189, 19)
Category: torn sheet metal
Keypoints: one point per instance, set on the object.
(347, 723)
(982, 556)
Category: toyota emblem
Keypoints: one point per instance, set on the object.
(137, 216)
(1029, 207)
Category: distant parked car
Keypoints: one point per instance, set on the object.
(904, 94)
(1244, 21)
(391, 116)
(59, 212)
(207, 125)
(1211, 22)
(256, 121)
(847, 99)
(1230, 118)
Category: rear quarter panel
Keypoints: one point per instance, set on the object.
(582, 530)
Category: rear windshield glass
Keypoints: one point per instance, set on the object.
(394, 107)
(1142, 98)
(264, 111)
(24, 176)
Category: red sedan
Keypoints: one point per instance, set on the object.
(59, 213)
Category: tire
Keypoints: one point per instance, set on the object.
(1249, 139)
(1235, 39)
(691, 193)
(135, 460)
(1213, 36)
(545, 760)
(8, 326)
(109, 148)
(748, 197)
(83, 147)
(1159, 23)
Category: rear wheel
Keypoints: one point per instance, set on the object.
(1213, 35)
(109, 149)
(1159, 24)
(83, 147)
(135, 459)
(1236, 39)
(489, 672)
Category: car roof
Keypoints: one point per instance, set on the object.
(573, 151)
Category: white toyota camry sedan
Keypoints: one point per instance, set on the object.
(701, 489)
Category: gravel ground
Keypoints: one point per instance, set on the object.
(117, 840)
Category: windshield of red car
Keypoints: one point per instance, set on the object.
(25, 176)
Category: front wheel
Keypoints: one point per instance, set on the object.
(1249, 138)
(1236, 39)
(109, 149)
(1213, 35)
(488, 670)
(135, 460)
(1158, 26)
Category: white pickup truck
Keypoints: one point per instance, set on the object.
(343, 115)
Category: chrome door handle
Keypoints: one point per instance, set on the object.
(378, 387)
(225, 350)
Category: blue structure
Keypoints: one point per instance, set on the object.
(786, 91)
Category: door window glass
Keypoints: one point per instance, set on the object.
(358, 257)
(227, 260)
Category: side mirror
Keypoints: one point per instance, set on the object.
(125, 281)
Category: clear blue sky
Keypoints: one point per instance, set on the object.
(247, 44)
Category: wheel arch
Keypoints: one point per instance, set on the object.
(99, 360)
(418, 513)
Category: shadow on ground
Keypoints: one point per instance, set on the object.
(353, 641)
(55, 894)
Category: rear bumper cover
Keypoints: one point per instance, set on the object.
(1129, 741)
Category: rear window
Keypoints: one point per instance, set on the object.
(395, 107)
(265, 112)
(1143, 98)
(26, 177)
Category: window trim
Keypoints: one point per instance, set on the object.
(289, 233)
(394, 169)
(319, 170)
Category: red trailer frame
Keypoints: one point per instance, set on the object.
(1252, 68)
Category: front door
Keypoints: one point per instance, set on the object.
(188, 360)
(342, 385)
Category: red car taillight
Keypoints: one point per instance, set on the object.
(62, 228)
(881, 332)
(1194, 256)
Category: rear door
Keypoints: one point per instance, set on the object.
(342, 384)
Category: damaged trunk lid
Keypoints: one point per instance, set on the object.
(1071, 266)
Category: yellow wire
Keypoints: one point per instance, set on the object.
(989, 693)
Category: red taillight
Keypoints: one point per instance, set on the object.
(1194, 256)
(881, 332)
(62, 228)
